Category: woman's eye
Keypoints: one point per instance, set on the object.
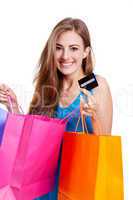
(74, 48)
(58, 48)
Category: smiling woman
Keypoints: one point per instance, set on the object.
(70, 52)
(66, 58)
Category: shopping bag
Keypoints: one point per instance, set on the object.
(91, 168)
(3, 118)
(29, 154)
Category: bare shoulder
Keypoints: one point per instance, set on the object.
(103, 85)
(102, 81)
(104, 102)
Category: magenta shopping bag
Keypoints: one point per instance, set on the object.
(29, 155)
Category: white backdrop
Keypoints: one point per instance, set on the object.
(24, 28)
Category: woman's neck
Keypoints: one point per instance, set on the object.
(70, 88)
(71, 81)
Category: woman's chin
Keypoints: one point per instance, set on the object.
(67, 73)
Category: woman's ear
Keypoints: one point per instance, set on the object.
(86, 52)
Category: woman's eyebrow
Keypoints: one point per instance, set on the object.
(69, 45)
(74, 45)
(58, 44)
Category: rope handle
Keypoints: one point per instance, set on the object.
(82, 117)
(69, 116)
(11, 105)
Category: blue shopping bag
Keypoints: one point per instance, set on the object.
(3, 118)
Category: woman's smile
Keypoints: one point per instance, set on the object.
(66, 64)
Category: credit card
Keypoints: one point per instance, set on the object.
(89, 82)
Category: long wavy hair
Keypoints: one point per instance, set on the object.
(48, 79)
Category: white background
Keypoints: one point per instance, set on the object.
(24, 28)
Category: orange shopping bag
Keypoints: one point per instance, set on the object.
(91, 168)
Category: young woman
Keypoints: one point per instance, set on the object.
(66, 58)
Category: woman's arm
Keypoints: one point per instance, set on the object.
(100, 108)
(104, 110)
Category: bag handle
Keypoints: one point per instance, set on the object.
(96, 123)
(83, 122)
(11, 105)
(69, 116)
(82, 117)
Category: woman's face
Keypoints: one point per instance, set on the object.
(70, 52)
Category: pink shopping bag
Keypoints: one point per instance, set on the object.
(29, 156)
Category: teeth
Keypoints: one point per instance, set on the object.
(66, 64)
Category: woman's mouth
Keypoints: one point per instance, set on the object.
(68, 64)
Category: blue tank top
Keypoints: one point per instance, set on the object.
(74, 108)
(62, 112)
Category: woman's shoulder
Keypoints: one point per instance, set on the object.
(103, 85)
(101, 80)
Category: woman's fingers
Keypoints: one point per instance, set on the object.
(89, 108)
(86, 92)
(6, 92)
(4, 100)
(4, 88)
(3, 96)
(90, 104)
(3, 92)
(89, 112)
(90, 97)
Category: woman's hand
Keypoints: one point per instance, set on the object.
(6, 92)
(89, 108)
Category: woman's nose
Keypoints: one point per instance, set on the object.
(65, 54)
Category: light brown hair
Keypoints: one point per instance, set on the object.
(48, 79)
